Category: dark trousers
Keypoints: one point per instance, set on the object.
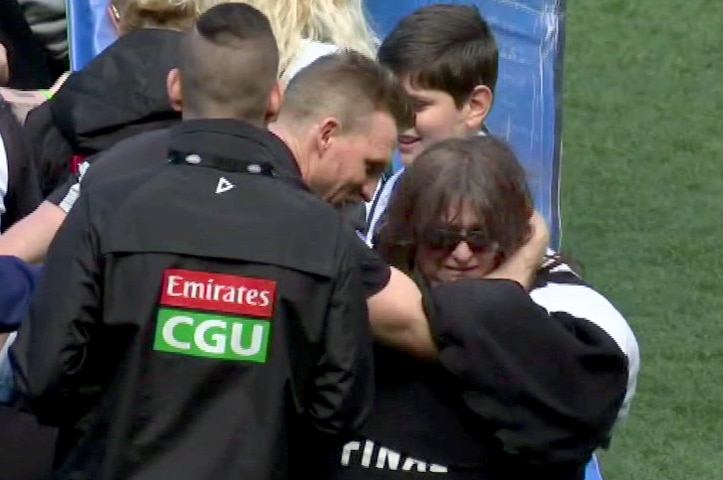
(26, 448)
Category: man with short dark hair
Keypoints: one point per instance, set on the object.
(205, 318)
(229, 82)
(348, 96)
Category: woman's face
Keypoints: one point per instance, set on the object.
(457, 248)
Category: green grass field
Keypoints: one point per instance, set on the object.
(643, 212)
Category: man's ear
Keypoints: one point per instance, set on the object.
(477, 108)
(4, 65)
(328, 130)
(175, 92)
(276, 98)
(114, 18)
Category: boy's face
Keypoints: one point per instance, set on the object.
(438, 118)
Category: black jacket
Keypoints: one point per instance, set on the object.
(193, 324)
(19, 189)
(121, 93)
(519, 392)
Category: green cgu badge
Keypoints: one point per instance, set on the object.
(210, 315)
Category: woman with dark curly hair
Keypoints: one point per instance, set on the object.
(532, 373)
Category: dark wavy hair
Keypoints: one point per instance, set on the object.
(481, 170)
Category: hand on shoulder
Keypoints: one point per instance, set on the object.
(523, 265)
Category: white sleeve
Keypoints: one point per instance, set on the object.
(581, 301)
(71, 196)
(4, 177)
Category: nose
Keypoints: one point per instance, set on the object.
(462, 254)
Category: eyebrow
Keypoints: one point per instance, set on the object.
(419, 96)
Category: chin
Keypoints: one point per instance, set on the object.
(453, 276)
(408, 158)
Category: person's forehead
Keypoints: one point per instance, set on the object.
(382, 132)
(461, 213)
(416, 91)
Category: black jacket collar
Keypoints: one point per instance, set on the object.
(231, 139)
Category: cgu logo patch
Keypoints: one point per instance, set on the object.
(206, 315)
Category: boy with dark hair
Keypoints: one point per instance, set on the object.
(447, 58)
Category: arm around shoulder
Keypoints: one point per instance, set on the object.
(344, 373)
(549, 384)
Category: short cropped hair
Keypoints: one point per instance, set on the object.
(349, 86)
(229, 62)
(450, 48)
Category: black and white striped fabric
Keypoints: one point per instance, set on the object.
(559, 290)
(531, 385)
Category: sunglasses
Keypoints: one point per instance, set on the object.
(446, 238)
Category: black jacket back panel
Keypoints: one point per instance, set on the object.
(218, 322)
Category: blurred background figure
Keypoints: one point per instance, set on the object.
(34, 38)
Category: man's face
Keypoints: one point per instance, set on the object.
(437, 118)
(349, 169)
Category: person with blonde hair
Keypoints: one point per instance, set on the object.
(308, 29)
(131, 15)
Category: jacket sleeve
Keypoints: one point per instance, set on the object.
(50, 150)
(549, 384)
(57, 344)
(344, 377)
